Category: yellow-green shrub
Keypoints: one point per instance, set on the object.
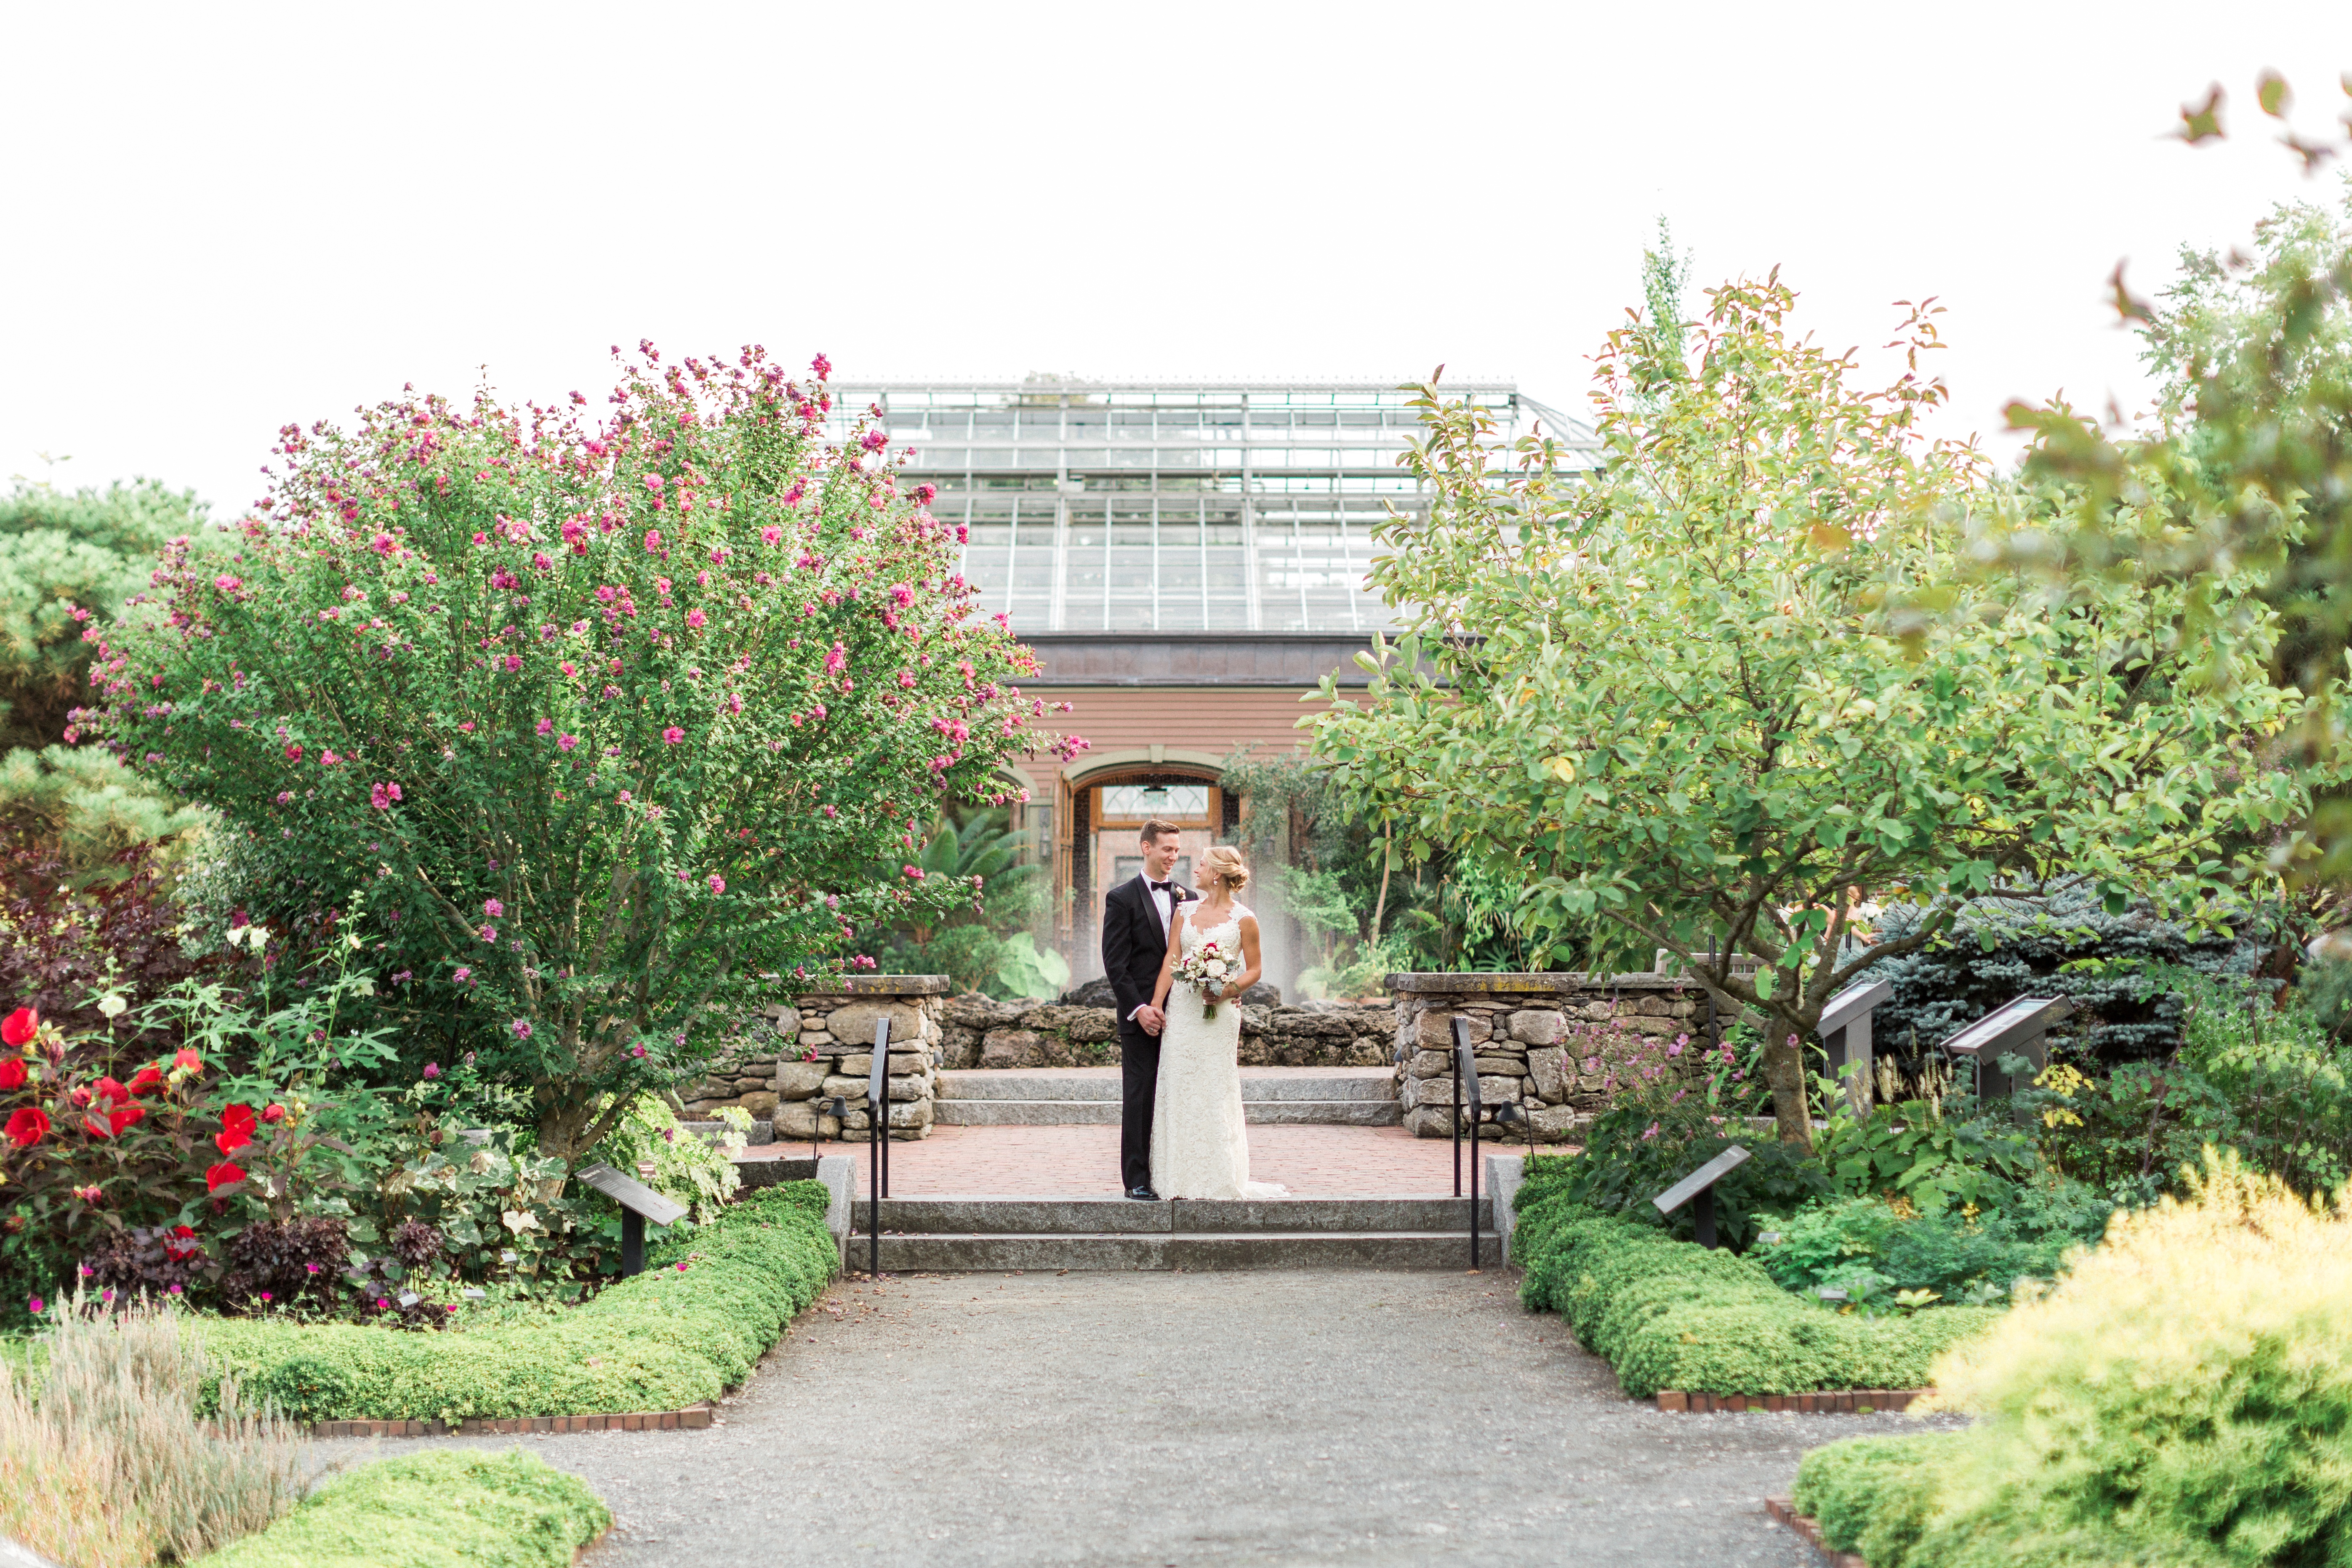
(509, 1509)
(2183, 1397)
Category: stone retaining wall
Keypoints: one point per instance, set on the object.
(981, 1033)
(822, 1045)
(1517, 1023)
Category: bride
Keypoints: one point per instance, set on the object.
(1200, 1146)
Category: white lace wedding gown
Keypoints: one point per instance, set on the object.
(1199, 1144)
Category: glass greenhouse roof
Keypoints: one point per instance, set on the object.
(1125, 507)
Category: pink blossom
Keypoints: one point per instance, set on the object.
(653, 540)
(694, 618)
(566, 742)
(717, 884)
(381, 798)
(822, 366)
(771, 534)
(903, 594)
(522, 1028)
(514, 664)
(545, 725)
(382, 544)
(837, 660)
(654, 483)
(830, 812)
(636, 1050)
(913, 872)
(673, 735)
(493, 909)
(463, 974)
(489, 934)
(539, 562)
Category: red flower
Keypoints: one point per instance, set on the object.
(12, 1074)
(28, 1127)
(129, 1116)
(20, 1027)
(274, 1114)
(188, 1059)
(230, 1141)
(112, 1091)
(221, 1175)
(237, 1119)
(147, 1081)
(96, 1127)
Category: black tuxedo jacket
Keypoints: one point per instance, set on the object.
(1133, 944)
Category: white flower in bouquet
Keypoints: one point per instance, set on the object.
(1202, 969)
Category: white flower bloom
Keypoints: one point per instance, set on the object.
(1217, 968)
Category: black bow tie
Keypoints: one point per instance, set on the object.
(1168, 888)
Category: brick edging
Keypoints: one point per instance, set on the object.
(1824, 1401)
(693, 1418)
(1808, 1530)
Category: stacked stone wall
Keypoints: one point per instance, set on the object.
(980, 1033)
(822, 1046)
(1520, 1029)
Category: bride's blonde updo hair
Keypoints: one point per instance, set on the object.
(1225, 863)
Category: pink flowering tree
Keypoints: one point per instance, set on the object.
(602, 721)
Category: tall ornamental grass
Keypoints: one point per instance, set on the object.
(2183, 1397)
(104, 1462)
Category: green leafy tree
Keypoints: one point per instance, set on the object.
(62, 552)
(604, 725)
(1696, 696)
(2246, 466)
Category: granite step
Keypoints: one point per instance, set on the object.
(1080, 1215)
(995, 1252)
(1081, 1097)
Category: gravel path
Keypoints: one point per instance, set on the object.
(1312, 1417)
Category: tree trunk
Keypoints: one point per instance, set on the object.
(563, 1123)
(1784, 1069)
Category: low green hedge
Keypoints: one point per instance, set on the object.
(1672, 1314)
(443, 1509)
(669, 1338)
(1873, 1495)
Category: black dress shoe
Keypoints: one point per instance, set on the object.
(1144, 1194)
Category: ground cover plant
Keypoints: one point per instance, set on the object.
(2182, 1395)
(598, 722)
(709, 1304)
(463, 1508)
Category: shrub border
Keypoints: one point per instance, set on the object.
(1822, 1402)
(1809, 1531)
(693, 1418)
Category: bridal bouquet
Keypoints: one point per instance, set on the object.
(1205, 967)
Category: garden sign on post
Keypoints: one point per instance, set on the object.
(1700, 1184)
(1844, 1030)
(639, 1203)
(2015, 1029)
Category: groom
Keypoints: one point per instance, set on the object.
(1134, 945)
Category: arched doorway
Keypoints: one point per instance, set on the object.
(1104, 811)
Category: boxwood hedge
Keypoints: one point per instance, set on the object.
(1672, 1314)
(709, 1305)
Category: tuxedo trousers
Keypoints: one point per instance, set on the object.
(1138, 1067)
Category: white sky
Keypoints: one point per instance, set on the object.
(222, 218)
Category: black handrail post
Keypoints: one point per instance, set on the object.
(1465, 1068)
(1461, 1043)
(881, 1076)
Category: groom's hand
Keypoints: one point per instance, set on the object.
(1152, 1019)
